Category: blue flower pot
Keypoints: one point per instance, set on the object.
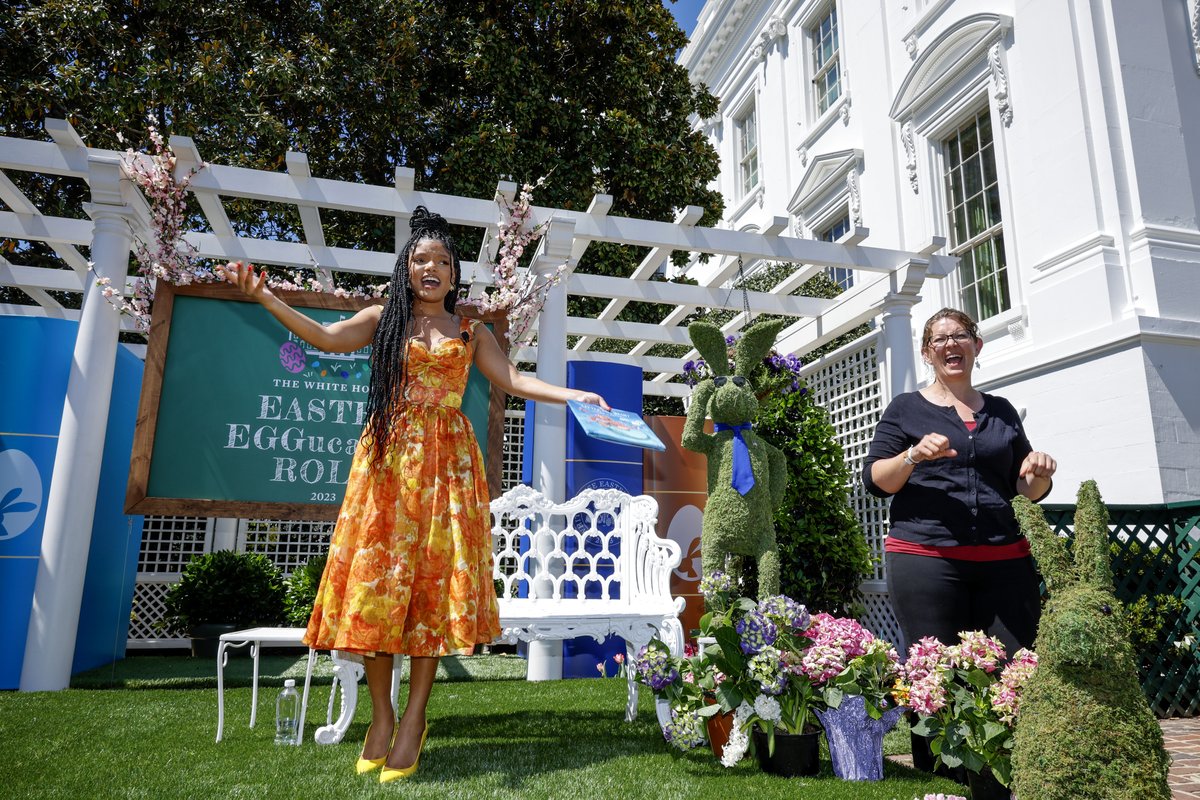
(856, 740)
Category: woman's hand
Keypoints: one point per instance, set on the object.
(1038, 465)
(593, 398)
(931, 447)
(242, 276)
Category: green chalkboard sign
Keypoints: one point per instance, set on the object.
(239, 417)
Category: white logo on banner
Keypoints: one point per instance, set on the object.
(685, 531)
(20, 493)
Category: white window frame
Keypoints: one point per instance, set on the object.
(747, 110)
(816, 72)
(993, 232)
(842, 276)
(948, 84)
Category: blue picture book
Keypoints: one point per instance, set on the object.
(617, 426)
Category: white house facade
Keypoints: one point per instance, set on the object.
(1056, 148)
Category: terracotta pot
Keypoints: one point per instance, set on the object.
(719, 726)
(796, 754)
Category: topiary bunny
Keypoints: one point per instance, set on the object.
(1086, 730)
(747, 476)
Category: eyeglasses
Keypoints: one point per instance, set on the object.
(938, 342)
(738, 380)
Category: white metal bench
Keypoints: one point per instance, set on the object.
(592, 566)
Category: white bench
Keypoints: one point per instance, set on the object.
(547, 558)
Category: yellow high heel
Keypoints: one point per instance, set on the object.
(390, 774)
(365, 765)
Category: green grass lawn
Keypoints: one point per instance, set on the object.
(144, 728)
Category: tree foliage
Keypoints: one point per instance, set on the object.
(464, 93)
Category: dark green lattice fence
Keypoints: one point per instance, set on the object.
(1156, 569)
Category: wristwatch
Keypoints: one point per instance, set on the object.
(908, 459)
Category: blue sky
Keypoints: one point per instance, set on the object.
(685, 12)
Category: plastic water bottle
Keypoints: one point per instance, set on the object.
(287, 715)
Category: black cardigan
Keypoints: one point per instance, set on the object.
(964, 500)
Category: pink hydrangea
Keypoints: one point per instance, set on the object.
(976, 649)
(927, 695)
(1006, 694)
(924, 656)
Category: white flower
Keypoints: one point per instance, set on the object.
(767, 708)
(735, 748)
(742, 713)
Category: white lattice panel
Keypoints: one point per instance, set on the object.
(514, 448)
(848, 385)
(168, 543)
(878, 616)
(147, 610)
(288, 543)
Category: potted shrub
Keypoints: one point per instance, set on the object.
(968, 699)
(300, 591)
(221, 592)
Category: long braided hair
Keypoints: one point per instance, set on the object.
(389, 349)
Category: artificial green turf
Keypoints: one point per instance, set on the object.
(488, 738)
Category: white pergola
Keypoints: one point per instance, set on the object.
(886, 288)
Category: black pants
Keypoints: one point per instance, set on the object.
(940, 597)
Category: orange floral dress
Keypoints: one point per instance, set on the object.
(410, 562)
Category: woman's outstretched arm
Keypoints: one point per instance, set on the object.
(343, 336)
(496, 367)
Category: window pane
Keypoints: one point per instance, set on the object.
(989, 165)
(993, 202)
(976, 216)
(966, 268)
(970, 140)
(985, 128)
(972, 176)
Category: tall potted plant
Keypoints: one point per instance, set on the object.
(221, 592)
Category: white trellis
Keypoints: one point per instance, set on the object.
(891, 281)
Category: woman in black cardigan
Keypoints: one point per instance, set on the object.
(952, 458)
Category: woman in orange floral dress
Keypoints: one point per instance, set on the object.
(410, 562)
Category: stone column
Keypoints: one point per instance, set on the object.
(71, 503)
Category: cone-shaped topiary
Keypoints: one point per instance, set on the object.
(739, 516)
(1086, 730)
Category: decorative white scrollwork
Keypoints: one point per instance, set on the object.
(910, 153)
(1194, 16)
(855, 198)
(910, 45)
(1000, 84)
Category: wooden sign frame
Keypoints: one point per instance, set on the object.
(137, 499)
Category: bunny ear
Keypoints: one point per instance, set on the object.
(1092, 562)
(1048, 550)
(754, 345)
(710, 342)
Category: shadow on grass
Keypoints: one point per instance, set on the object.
(185, 672)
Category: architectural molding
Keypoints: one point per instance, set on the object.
(855, 204)
(911, 46)
(774, 30)
(1193, 7)
(910, 153)
(826, 172)
(1000, 83)
(839, 110)
(943, 61)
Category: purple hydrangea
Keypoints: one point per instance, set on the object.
(786, 612)
(756, 632)
(685, 730)
(655, 669)
(768, 670)
(716, 583)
